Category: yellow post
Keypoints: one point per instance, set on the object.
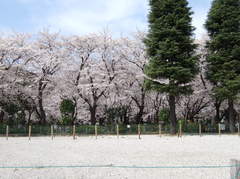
(117, 131)
(239, 129)
(219, 129)
(96, 131)
(180, 129)
(139, 131)
(74, 132)
(52, 132)
(7, 130)
(200, 129)
(160, 130)
(239, 125)
(29, 132)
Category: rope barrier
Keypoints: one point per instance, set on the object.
(121, 166)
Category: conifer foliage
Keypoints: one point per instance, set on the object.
(223, 25)
(173, 61)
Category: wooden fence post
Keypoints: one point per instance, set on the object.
(238, 125)
(180, 129)
(7, 131)
(117, 131)
(200, 129)
(52, 132)
(160, 130)
(219, 129)
(139, 131)
(74, 132)
(96, 133)
(29, 132)
(239, 129)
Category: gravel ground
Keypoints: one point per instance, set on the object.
(125, 151)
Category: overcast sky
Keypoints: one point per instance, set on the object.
(121, 17)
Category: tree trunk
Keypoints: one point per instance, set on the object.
(216, 119)
(29, 117)
(41, 110)
(139, 116)
(172, 116)
(93, 110)
(141, 105)
(126, 119)
(156, 117)
(41, 113)
(231, 115)
(74, 113)
(1, 116)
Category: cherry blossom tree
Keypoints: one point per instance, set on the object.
(133, 53)
(98, 73)
(48, 56)
(15, 52)
(92, 69)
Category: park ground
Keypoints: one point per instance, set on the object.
(63, 157)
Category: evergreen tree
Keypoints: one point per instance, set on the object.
(67, 108)
(171, 51)
(223, 25)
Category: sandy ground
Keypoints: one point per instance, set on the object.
(125, 151)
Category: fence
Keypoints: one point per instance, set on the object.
(143, 129)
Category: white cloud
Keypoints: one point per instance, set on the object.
(198, 22)
(86, 16)
(120, 16)
(33, 1)
(199, 18)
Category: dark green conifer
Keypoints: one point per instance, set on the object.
(223, 70)
(171, 51)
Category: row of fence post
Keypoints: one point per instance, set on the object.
(180, 132)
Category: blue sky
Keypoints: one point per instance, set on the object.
(121, 17)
